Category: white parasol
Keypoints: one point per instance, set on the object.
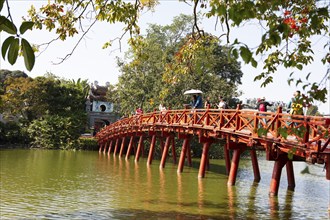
(192, 92)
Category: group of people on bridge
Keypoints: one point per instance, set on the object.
(294, 107)
(197, 103)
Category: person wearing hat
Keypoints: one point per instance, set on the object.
(262, 107)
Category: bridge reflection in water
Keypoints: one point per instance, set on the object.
(284, 138)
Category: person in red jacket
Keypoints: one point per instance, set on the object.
(139, 111)
(262, 107)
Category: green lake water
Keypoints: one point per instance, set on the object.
(46, 184)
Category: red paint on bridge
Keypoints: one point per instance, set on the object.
(284, 138)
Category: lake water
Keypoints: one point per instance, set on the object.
(49, 184)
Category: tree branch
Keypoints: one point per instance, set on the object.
(227, 25)
(199, 32)
(74, 48)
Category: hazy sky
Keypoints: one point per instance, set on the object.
(90, 61)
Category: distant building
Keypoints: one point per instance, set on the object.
(99, 110)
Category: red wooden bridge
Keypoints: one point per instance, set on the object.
(283, 137)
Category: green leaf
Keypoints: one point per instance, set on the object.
(283, 132)
(299, 66)
(262, 132)
(298, 82)
(323, 11)
(5, 46)
(13, 51)
(275, 38)
(7, 26)
(28, 54)
(254, 63)
(1, 4)
(246, 54)
(222, 10)
(25, 26)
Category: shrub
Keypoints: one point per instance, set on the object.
(12, 133)
(87, 143)
(54, 132)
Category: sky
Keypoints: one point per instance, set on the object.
(89, 61)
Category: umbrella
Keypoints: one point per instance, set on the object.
(192, 92)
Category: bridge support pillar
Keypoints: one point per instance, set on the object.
(129, 149)
(101, 147)
(327, 168)
(204, 160)
(165, 151)
(116, 147)
(122, 147)
(227, 156)
(277, 171)
(234, 167)
(173, 149)
(290, 175)
(152, 149)
(185, 147)
(255, 166)
(105, 147)
(161, 140)
(139, 149)
(110, 146)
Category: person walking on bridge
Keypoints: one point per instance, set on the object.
(222, 103)
(295, 107)
(262, 107)
(198, 102)
(207, 104)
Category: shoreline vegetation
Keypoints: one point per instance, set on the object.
(83, 143)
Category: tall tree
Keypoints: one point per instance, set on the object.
(152, 72)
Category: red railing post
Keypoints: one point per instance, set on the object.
(207, 117)
(238, 120)
(278, 121)
(306, 135)
(221, 119)
(256, 123)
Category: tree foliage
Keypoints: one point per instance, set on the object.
(52, 110)
(152, 73)
(289, 27)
